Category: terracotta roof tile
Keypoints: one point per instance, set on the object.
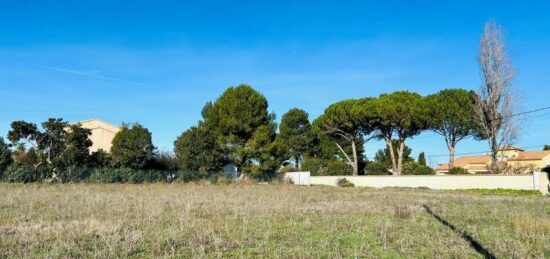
(466, 160)
(505, 148)
(531, 155)
(474, 162)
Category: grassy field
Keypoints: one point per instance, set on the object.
(194, 220)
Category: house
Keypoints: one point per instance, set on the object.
(102, 134)
(515, 160)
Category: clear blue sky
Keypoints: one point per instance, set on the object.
(158, 62)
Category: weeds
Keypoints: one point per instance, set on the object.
(251, 220)
(343, 182)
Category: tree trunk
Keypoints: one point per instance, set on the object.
(400, 156)
(451, 156)
(297, 161)
(392, 155)
(494, 164)
(494, 155)
(354, 150)
(352, 163)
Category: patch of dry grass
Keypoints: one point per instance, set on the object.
(192, 220)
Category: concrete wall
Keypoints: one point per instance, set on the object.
(542, 180)
(538, 181)
(299, 178)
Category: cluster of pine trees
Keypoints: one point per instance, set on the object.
(237, 129)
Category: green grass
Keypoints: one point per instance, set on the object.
(194, 220)
(501, 192)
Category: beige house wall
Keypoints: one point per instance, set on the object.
(477, 166)
(535, 163)
(514, 161)
(102, 134)
(509, 153)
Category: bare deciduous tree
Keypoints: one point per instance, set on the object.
(495, 104)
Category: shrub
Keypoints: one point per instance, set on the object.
(27, 173)
(189, 176)
(318, 166)
(413, 168)
(163, 160)
(157, 176)
(376, 168)
(73, 174)
(149, 176)
(314, 165)
(44, 172)
(343, 182)
(458, 170)
(100, 158)
(288, 169)
(338, 168)
(108, 175)
(219, 178)
(136, 177)
(19, 174)
(127, 175)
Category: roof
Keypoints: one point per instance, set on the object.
(466, 160)
(473, 162)
(506, 148)
(531, 155)
(99, 120)
(106, 125)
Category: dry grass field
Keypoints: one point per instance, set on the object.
(201, 220)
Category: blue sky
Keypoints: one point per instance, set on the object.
(158, 62)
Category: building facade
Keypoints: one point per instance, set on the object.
(511, 159)
(102, 134)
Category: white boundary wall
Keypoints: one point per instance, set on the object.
(299, 178)
(537, 181)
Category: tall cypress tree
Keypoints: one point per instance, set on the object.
(422, 158)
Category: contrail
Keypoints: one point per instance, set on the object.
(96, 76)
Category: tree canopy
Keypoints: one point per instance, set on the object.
(401, 114)
(52, 139)
(76, 146)
(243, 127)
(347, 121)
(57, 143)
(422, 159)
(495, 102)
(24, 137)
(197, 150)
(296, 136)
(382, 162)
(132, 146)
(383, 156)
(453, 116)
(5, 155)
